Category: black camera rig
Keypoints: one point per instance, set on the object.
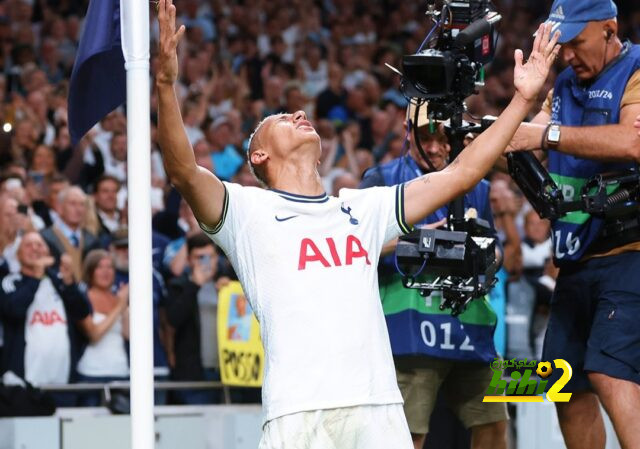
(452, 70)
(460, 261)
(614, 197)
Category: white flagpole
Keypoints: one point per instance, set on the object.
(134, 20)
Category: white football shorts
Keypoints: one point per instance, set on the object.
(359, 427)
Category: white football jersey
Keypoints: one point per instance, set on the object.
(308, 268)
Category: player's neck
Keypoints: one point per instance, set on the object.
(301, 180)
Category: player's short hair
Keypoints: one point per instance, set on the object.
(254, 144)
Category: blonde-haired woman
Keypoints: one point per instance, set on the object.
(105, 358)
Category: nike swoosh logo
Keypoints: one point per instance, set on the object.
(285, 218)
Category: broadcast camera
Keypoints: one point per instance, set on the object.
(449, 67)
(452, 70)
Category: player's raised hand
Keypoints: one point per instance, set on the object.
(529, 77)
(167, 47)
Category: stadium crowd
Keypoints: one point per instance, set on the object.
(63, 208)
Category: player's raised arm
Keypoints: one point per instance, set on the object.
(431, 191)
(202, 190)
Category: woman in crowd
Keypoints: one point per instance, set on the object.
(105, 358)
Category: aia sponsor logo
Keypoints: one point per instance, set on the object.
(326, 253)
(46, 318)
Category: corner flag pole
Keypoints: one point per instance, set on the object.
(135, 46)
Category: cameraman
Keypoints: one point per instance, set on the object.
(586, 125)
(454, 360)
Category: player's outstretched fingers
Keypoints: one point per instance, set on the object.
(178, 35)
(162, 19)
(161, 7)
(552, 46)
(519, 58)
(538, 38)
(547, 36)
(554, 55)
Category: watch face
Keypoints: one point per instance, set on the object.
(554, 134)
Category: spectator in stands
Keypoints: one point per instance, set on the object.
(294, 99)
(43, 161)
(536, 244)
(315, 70)
(119, 249)
(536, 254)
(40, 307)
(192, 312)
(45, 202)
(175, 255)
(105, 198)
(226, 159)
(14, 188)
(331, 102)
(505, 208)
(68, 235)
(115, 162)
(105, 358)
(273, 93)
(13, 223)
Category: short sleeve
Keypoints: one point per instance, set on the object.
(546, 106)
(632, 91)
(234, 212)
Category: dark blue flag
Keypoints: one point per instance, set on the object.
(98, 81)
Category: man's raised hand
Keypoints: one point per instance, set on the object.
(169, 38)
(529, 77)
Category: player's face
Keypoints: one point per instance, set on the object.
(288, 133)
(587, 52)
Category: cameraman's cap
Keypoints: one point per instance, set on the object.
(423, 115)
(572, 16)
(423, 118)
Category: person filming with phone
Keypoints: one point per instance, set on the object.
(192, 313)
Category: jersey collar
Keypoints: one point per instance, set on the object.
(301, 198)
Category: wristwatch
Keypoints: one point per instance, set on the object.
(553, 137)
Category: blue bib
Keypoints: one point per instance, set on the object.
(594, 105)
(416, 325)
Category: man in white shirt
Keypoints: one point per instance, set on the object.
(308, 261)
(40, 308)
